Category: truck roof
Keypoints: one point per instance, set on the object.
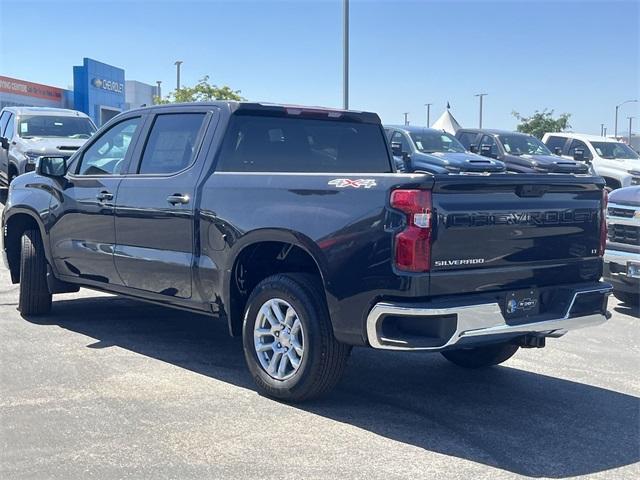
(66, 112)
(493, 131)
(413, 128)
(581, 136)
(276, 109)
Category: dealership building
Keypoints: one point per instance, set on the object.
(99, 90)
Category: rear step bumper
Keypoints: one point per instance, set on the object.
(443, 327)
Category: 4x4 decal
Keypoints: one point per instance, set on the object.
(348, 182)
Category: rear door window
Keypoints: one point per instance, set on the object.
(172, 143)
(256, 143)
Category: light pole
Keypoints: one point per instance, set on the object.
(428, 105)
(406, 118)
(629, 139)
(480, 95)
(615, 128)
(605, 132)
(345, 54)
(158, 91)
(177, 64)
(602, 129)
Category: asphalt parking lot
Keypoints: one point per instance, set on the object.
(106, 387)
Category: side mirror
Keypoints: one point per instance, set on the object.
(485, 151)
(473, 148)
(557, 151)
(406, 159)
(578, 155)
(51, 166)
(396, 149)
(4, 143)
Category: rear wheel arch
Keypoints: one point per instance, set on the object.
(261, 256)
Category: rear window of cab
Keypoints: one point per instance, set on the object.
(258, 143)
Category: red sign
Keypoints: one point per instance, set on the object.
(28, 89)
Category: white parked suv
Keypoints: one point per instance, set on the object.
(618, 164)
(27, 133)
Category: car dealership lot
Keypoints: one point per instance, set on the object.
(106, 387)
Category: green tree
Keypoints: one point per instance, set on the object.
(542, 122)
(203, 91)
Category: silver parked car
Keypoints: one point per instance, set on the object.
(622, 257)
(27, 133)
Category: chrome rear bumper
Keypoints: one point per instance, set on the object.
(479, 322)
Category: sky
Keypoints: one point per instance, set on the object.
(579, 57)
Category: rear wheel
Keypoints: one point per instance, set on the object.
(288, 339)
(626, 297)
(479, 357)
(35, 298)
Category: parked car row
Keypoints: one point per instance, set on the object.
(490, 151)
(614, 161)
(520, 152)
(435, 151)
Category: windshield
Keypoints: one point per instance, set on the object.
(614, 150)
(523, 145)
(30, 126)
(430, 142)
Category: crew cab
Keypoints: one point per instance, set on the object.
(521, 153)
(614, 161)
(622, 256)
(28, 133)
(292, 225)
(435, 151)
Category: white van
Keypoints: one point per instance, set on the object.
(618, 164)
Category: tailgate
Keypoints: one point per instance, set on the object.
(514, 232)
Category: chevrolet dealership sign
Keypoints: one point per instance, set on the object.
(109, 85)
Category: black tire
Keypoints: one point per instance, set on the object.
(480, 357)
(628, 298)
(324, 358)
(35, 298)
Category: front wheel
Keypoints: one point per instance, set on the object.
(479, 357)
(288, 339)
(626, 297)
(35, 298)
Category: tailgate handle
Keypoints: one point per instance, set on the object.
(531, 190)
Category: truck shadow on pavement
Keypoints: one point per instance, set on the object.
(515, 420)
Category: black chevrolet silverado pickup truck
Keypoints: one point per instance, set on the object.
(292, 225)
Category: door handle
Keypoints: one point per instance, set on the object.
(104, 196)
(177, 198)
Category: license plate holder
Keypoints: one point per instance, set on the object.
(521, 304)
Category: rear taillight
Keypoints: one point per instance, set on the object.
(413, 244)
(603, 222)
